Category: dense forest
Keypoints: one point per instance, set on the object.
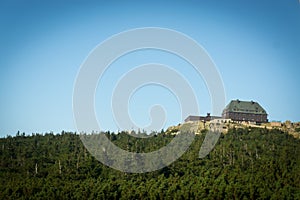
(245, 164)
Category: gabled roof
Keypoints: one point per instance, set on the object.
(245, 107)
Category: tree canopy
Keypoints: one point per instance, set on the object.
(245, 164)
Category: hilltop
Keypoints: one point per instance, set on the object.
(292, 128)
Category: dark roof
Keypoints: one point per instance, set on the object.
(208, 117)
(245, 107)
(193, 118)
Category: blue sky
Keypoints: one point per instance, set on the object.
(254, 44)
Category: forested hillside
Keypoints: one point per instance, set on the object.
(245, 164)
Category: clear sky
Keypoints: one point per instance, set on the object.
(254, 44)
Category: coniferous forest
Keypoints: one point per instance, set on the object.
(245, 164)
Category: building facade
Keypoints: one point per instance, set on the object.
(248, 111)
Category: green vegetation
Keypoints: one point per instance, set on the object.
(245, 164)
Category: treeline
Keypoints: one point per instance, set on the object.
(245, 164)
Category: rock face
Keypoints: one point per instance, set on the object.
(199, 127)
